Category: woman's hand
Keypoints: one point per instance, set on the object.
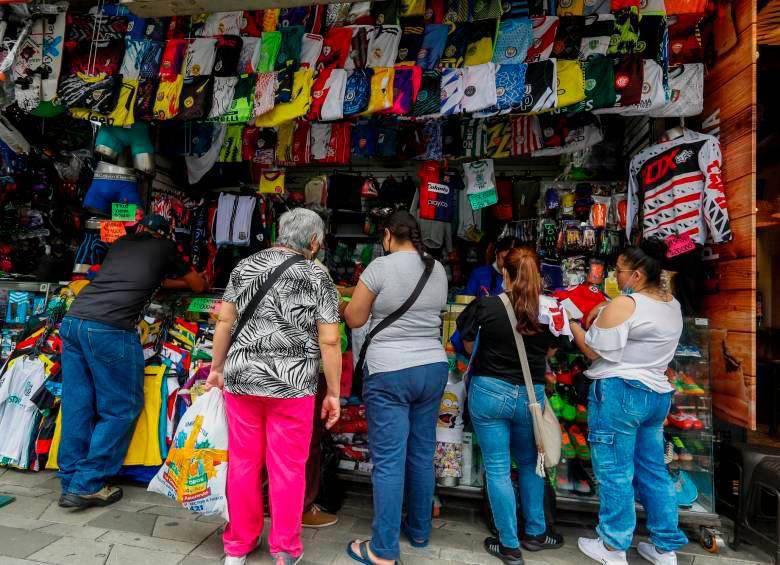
(215, 379)
(593, 314)
(331, 410)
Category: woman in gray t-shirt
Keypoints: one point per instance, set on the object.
(405, 375)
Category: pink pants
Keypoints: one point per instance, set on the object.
(272, 433)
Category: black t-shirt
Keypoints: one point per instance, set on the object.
(131, 272)
(497, 353)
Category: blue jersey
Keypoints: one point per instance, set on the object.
(485, 281)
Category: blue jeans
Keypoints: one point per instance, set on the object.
(402, 408)
(102, 396)
(500, 416)
(625, 420)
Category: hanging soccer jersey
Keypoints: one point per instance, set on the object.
(653, 92)
(385, 12)
(381, 95)
(570, 83)
(480, 181)
(359, 47)
(406, 85)
(20, 382)
(568, 38)
(437, 199)
(540, 92)
(431, 141)
(357, 91)
(686, 85)
(596, 35)
(335, 48)
(457, 11)
(485, 10)
(653, 38)
(571, 8)
(513, 40)
(328, 95)
(172, 59)
(142, 59)
(479, 43)
(311, 48)
(545, 29)
(298, 105)
(498, 139)
(364, 138)
(412, 8)
(411, 41)
(577, 133)
(472, 136)
(599, 85)
(479, 87)
(455, 47)
(270, 44)
(510, 86)
(383, 42)
(265, 91)
(624, 40)
(196, 96)
(433, 43)
(428, 101)
(685, 41)
(597, 7)
(200, 58)
(227, 56)
(166, 104)
(682, 190)
(629, 74)
(289, 54)
(451, 91)
(249, 59)
(221, 23)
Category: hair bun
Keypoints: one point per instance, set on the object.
(655, 248)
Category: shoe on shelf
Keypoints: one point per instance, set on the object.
(549, 540)
(683, 420)
(556, 403)
(562, 480)
(283, 558)
(509, 556)
(580, 444)
(104, 497)
(582, 414)
(316, 517)
(685, 489)
(669, 454)
(689, 385)
(596, 550)
(567, 448)
(583, 485)
(569, 412)
(650, 553)
(681, 451)
(231, 560)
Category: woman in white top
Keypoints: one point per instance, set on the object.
(631, 343)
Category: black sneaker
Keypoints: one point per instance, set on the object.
(544, 541)
(104, 497)
(505, 554)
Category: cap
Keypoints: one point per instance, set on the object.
(156, 223)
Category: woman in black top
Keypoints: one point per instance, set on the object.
(498, 402)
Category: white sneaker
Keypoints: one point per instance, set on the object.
(596, 550)
(650, 553)
(230, 560)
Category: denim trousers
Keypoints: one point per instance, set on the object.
(625, 421)
(501, 418)
(402, 408)
(102, 396)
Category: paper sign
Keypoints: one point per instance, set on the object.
(678, 244)
(204, 305)
(123, 212)
(483, 199)
(111, 231)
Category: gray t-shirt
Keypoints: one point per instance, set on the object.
(414, 339)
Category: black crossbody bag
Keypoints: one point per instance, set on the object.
(391, 319)
(258, 297)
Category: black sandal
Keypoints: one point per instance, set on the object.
(364, 556)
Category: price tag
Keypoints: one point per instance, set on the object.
(704, 322)
(111, 231)
(678, 244)
(204, 305)
(123, 212)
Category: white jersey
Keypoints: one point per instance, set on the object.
(653, 91)
(479, 87)
(336, 86)
(383, 42)
(686, 84)
(311, 49)
(17, 412)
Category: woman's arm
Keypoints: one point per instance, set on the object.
(330, 348)
(579, 340)
(613, 314)
(359, 308)
(227, 317)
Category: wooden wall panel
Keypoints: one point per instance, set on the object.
(730, 114)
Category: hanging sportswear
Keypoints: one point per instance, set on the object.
(311, 49)
(411, 41)
(510, 86)
(479, 42)
(472, 136)
(599, 85)
(513, 40)
(20, 382)
(479, 87)
(653, 92)
(545, 29)
(357, 92)
(381, 96)
(526, 135)
(686, 86)
(451, 91)
(682, 190)
(568, 38)
(541, 93)
(596, 35)
(249, 58)
(433, 43)
(570, 83)
(480, 182)
(428, 101)
(359, 47)
(335, 48)
(234, 219)
(200, 58)
(498, 139)
(327, 95)
(383, 42)
(297, 107)
(406, 86)
(626, 36)
(455, 48)
(437, 198)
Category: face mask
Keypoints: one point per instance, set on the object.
(628, 291)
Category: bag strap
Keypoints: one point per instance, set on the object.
(260, 294)
(520, 344)
(395, 316)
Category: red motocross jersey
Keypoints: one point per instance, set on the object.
(680, 188)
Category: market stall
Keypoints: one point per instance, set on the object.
(571, 126)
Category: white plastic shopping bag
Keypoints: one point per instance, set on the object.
(195, 471)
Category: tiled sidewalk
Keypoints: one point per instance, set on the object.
(147, 529)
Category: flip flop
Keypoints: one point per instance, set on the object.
(363, 558)
(413, 542)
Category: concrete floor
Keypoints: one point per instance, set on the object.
(145, 528)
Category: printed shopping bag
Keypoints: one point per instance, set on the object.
(195, 471)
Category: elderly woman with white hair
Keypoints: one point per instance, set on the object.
(279, 316)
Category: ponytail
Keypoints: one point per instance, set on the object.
(522, 265)
(404, 227)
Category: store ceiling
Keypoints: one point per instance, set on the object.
(769, 23)
(159, 8)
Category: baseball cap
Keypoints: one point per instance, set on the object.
(156, 223)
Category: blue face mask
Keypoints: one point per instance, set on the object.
(627, 291)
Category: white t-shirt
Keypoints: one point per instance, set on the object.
(17, 413)
(479, 87)
(641, 348)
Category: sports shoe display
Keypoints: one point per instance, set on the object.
(567, 448)
(650, 553)
(596, 550)
(689, 385)
(683, 420)
(562, 480)
(680, 450)
(684, 488)
(580, 444)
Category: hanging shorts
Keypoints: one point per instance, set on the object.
(110, 184)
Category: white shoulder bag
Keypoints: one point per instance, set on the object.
(547, 430)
